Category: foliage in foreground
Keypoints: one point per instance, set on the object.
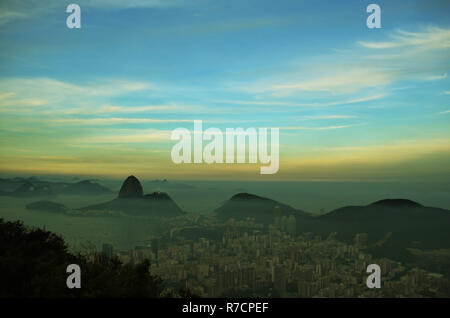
(33, 263)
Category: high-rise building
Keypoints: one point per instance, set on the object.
(361, 240)
(292, 225)
(155, 247)
(279, 279)
(107, 250)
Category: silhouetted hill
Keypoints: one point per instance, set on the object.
(85, 187)
(392, 225)
(411, 224)
(394, 203)
(47, 206)
(131, 188)
(8, 185)
(263, 210)
(131, 200)
(29, 189)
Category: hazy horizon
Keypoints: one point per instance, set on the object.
(311, 196)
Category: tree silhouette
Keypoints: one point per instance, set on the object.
(34, 261)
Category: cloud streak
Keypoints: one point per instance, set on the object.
(7, 16)
(118, 120)
(316, 128)
(409, 56)
(430, 38)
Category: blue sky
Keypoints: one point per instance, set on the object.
(350, 102)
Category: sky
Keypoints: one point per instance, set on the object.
(351, 103)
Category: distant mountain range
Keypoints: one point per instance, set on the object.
(85, 187)
(33, 187)
(166, 184)
(408, 223)
(392, 225)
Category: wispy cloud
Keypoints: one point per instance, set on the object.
(13, 10)
(430, 38)
(141, 136)
(281, 103)
(315, 128)
(8, 16)
(436, 77)
(138, 109)
(114, 109)
(327, 117)
(38, 91)
(341, 81)
(409, 56)
(117, 120)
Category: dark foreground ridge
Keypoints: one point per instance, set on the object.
(34, 261)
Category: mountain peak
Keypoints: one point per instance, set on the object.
(397, 203)
(243, 196)
(131, 188)
(264, 210)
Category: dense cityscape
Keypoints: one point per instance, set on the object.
(252, 261)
